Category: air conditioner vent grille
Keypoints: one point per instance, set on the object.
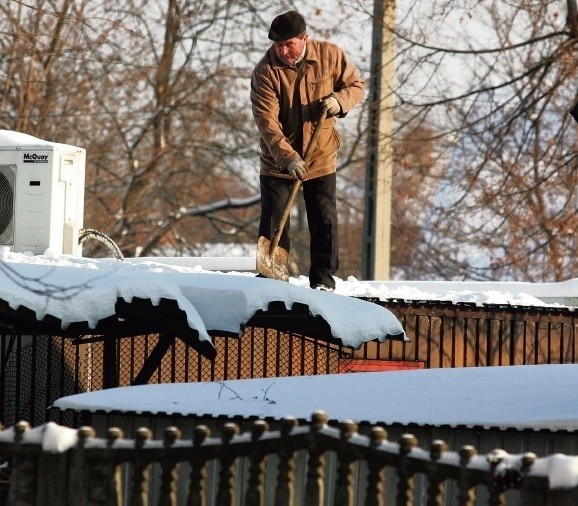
(7, 182)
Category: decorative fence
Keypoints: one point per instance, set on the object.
(54, 465)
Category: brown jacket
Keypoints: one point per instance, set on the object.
(285, 104)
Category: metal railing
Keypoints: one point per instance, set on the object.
(54, 465)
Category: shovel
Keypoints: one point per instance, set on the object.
(272, 259)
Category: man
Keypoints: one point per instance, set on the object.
(295, 80)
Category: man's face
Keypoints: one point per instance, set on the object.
(289, 51)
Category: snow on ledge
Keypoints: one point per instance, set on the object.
(52, 437)
(205, 263)
(14, 139)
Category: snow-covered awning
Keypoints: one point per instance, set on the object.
(72, 295)
(526, 397)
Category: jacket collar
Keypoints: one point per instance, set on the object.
(310, 55)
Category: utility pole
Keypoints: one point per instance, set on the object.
(572, 18)
(379, 169)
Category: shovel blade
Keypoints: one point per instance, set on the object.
(272, 264)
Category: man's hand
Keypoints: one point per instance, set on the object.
(297, 168)
(331, 105)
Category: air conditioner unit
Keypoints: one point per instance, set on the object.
(41, 194)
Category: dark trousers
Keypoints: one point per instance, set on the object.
(320, 204)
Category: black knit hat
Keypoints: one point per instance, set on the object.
(286, 26)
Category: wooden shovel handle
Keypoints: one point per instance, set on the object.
(297, 184)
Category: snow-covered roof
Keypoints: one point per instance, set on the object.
(515, 293)
(536, 397)
(72, 290)
(79, 295)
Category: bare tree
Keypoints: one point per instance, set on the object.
(157, 92)
(506, 201)
(150, 90)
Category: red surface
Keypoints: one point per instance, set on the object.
(365, 365)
